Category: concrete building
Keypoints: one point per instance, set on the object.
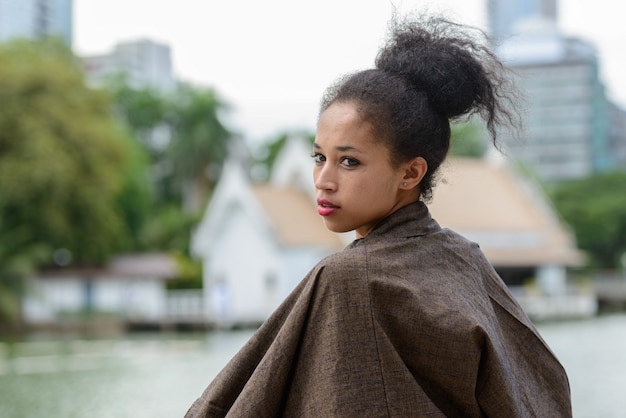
(571, 130)
(617, 134)
(504, 15)
(36, 19)
(567, 120)
(145, 63)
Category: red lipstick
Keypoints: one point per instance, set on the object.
(326, 208)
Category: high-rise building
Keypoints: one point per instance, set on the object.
(570, 125)
(566, 120)
(617, 134)
(505, 15)
(144, 63)
(36, 19)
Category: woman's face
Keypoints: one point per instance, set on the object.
(355, 183)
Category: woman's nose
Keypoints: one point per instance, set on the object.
(323, 178)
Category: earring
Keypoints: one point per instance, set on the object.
(405, 184)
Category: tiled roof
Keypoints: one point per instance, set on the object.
(148, 266)
(157, 265)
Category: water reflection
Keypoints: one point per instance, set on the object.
(156, 375)
(159, 375)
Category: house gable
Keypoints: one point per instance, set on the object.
(233, 191)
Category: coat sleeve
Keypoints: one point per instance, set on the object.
(254, 381)
(536, 374)
(317, 356)
(465, 341)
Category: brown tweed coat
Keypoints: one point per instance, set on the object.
(410, 321)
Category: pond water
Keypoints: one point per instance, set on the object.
(160, 375)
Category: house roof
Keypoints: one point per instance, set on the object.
(148, 266)
(292, 214)
(509, 217)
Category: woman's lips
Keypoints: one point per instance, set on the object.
(325, 208)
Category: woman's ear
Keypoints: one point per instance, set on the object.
(414, 172)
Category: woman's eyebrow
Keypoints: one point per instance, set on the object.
(347, 148)
(341, 148)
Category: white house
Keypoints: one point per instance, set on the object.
(257, 241)
(131, 288)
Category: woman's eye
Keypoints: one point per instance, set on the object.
(350, 162)
(318, 158)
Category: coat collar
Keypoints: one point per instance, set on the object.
(409, 221)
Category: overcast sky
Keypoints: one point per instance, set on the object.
(272, 59)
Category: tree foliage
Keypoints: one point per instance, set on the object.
(200, 142)
(144, 111)
(62, 160)
(67, 169)
(182, 132)
(468, 140)
(62, 157)
(595, 207)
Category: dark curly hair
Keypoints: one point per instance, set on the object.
(430, 72)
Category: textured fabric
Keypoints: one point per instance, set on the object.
(410, 321)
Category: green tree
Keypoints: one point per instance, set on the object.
(196, 141)
(64, 163)
(186, 162)
(595, 207)
(468, 140)
(199, 144)
(136, 197)
(144, 111)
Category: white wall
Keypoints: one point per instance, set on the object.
(236, 275)
(297, 262)
(49, 298)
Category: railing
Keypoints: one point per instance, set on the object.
(185, 306)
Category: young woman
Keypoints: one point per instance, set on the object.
(410, 320)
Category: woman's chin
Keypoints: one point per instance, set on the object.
(339, 229)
